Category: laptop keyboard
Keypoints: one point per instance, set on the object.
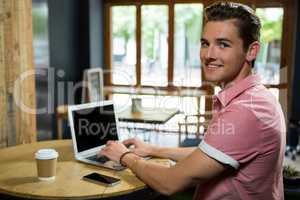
(101, 159)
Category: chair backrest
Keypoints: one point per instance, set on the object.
(198, 122)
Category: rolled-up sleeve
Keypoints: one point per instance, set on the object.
(232, 137)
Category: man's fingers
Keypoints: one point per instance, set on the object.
(132, 150)
(101, 153)
(129, 142)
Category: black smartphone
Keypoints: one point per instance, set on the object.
(101, 179)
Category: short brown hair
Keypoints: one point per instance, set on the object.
(247, 22)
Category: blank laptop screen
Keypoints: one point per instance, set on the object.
(94, 126)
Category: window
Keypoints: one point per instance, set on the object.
(154, 45)
(268, 61)
(188, 29)
(140, 38)
(123, 45)
(142, 33)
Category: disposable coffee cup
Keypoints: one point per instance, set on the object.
(46, 160)
(136, 105)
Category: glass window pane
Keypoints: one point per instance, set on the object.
(268, 61)
(188, 28)
(123, 45)
(40, 33)
(154, 45)
(41, 61)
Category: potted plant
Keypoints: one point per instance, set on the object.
(291, 177)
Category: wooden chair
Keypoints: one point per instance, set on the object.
(199, 122)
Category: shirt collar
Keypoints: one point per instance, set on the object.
(226, 95)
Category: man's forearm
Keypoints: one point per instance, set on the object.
(175, 154)
(161, 178)
(196, 168)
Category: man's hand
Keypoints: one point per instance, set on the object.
(140, 148)
(113, 150)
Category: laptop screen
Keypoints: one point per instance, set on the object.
(94, 126)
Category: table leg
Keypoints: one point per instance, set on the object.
(59, 127)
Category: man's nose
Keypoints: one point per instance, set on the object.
(210, 52)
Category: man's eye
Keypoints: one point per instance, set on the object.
(223, 45)
(204, 44)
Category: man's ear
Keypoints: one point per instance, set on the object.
(253, 51)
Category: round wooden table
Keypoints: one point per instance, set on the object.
(18, 175)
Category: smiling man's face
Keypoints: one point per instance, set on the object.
(222, 53)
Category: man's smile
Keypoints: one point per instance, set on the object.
(213, 65)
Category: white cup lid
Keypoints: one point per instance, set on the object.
(45, 154)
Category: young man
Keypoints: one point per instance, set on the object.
(242, 152)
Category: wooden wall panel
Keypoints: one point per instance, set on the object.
(3, 136)
(17, 117)
(3, 106)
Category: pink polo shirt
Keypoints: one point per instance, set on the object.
(247, 132)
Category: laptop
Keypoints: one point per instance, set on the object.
(92, 125)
